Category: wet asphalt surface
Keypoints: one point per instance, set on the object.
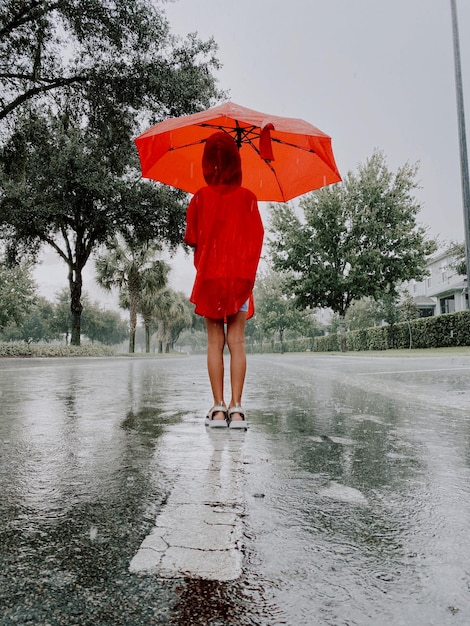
(354, 487)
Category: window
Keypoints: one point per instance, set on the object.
(447, 304)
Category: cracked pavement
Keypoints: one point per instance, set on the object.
(198, 533)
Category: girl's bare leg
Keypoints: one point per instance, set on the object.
(215, 361)
(236, 345)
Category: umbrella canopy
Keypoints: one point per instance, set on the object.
(282, 157)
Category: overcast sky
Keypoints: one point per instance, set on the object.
(369, 73)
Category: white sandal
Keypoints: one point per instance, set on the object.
(234, 424)
(213, 423)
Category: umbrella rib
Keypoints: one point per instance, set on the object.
(186, 145)
(292, 145)
(248, 141)
(268, 163)
(245, 135)
(241, 133)
(277, 179)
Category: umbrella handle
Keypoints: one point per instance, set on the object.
(238, 140)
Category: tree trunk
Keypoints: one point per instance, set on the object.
(75, 285)
(161, 335)
(147, 338)
(132, 327)
(132, 321)
(342, 333)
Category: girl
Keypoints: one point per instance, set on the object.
(224, 227)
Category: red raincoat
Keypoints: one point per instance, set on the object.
(224, 227)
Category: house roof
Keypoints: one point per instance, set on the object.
(424, 301)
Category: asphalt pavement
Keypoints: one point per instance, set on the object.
(345, 503)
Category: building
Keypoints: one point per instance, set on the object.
(442, 290)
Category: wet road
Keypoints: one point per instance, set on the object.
(347, 502)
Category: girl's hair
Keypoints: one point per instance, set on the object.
(221, 163)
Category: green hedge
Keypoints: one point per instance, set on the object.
(301, 344)
(21, 349)
(452, 329)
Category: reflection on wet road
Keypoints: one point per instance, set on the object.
(198, 532)
(346, 502)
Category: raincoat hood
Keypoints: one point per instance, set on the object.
(221, 163)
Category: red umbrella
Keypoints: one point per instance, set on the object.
(282, 157)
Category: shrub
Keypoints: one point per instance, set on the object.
(449, 330)
(21, 349)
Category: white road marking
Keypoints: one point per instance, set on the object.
(381, 373)
(198, 533)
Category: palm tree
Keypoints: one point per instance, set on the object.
(133, 268)
(150, 307)
(172, 315)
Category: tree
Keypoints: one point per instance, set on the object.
(77, 79)
(388, 308)
(408, 308)
(104, 326)
(39, 325)
(155, 306)
(17, 294)
(63, 317)
(194, 335)
(62, 191)
(173, 314)
(363, 313)
(254, 332)
(111, 56)
(275, 306)
(358, 238)
(133, 268)
(181, 318)
(408, 311)
(196, 340)
(459, 263)
(148, 310)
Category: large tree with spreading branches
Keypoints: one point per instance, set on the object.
(78, 80)
(359, 238)
(115, 56)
